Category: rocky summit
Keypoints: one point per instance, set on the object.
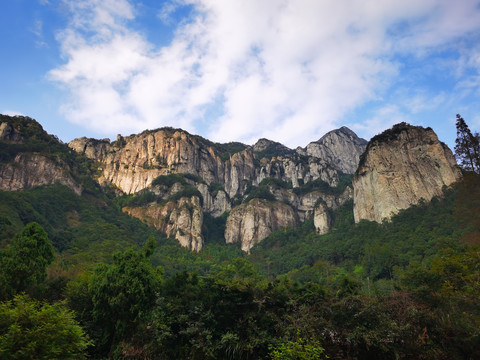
(227, 177)
(401, 167)
(171, 179)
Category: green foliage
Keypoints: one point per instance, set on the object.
(194, 178)
(276, 183)
(467, 147)
(260, 192)
(169, 180)
(188, 191)
(214, 188)
(121, 294)
(275, 149)
(35, 330)
(299, 349)
(84, 229)
(24, 263)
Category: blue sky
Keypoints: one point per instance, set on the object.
(239, 70)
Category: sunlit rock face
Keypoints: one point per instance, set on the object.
(400, 167)
(341, 148)
(181, 219)
(227, 172)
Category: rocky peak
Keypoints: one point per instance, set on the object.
(32, 157)
(400, 167)
(341, 148)
(263, 145)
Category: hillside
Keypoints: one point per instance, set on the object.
(169, 246)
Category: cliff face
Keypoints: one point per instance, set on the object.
(133, 162)
(223, 174)
(251, 222)
(30, 157)
(29, 170)
(180, 219)
(341, 148)
(400, 167)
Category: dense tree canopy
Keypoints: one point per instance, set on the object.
(467, 148)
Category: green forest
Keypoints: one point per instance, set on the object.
(81, 279)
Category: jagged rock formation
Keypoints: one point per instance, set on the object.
(400, 167)
(133, 162)
(23, 165)
(180, 219)
(251, 222)
(226, 172)
(321, 219)
(341, 148)
(29, 170)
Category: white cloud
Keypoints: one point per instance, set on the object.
(283, 69)
(12, 113)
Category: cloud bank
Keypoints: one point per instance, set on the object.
(288, 70)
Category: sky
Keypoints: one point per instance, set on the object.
(240, 70)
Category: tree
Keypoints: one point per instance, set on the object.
(34, 330)
(24, 264)
(122, 294)
(300, 349)
(467, 148)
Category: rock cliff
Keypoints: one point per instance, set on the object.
(133, 162)
(400, 167)
(341, 148)
(30, 157)
(29, 170)
(225, 174)
(181, 219)
(251, 222)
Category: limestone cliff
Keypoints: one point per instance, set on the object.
(181, 219)
(133, 162)
(30, 157)
(29, 170)
(321, 219)
(400, 167)
(341, 148)
(224, 174)
(251, 222)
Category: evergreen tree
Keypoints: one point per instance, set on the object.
(24, 263)
(467, 148)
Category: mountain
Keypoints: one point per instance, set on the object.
(401, 167)
(341, 148)
(172, 180)
(226, 177)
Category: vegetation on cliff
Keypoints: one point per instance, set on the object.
(103, 284)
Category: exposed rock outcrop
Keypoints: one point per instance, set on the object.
(180, 219)
(321, 219)
(133, 162)
(29, 170)
(341, 148)
(251, 222)
(400, 167)
(9, 134)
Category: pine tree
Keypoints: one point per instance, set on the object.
(467, 148)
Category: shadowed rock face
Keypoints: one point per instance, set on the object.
(251, 222)
(399, 168)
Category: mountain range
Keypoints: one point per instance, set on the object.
(172, 180)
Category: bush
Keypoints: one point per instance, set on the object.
(34, 330)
